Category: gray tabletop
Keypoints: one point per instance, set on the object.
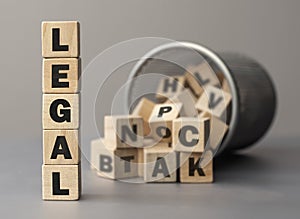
(262, 182)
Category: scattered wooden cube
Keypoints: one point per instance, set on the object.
(60, 39)
(170, 86)
(161, 121)
(60, 111)
(61, 182)
(144, 109)
(190, 134)
(214, 101)
(218, 129)
(119, 163)
(140, 162)
(97, 145)
(147, 144)
(191, 172)
(220, 76)
(188, 100)
(61, 147)
(116, 164)
(199, 76)
(160, 165)
(123, 131)
(225, 86)
(61, 75)
(204, 114)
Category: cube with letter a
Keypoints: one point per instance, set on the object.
(160, 164)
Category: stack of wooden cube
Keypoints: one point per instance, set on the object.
(167, 140)
(61, 90)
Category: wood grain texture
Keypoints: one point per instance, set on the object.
(190, 134)
(169, 87)
(69, 81)
(144, 109)
(190, 171)
(203, 114)
(188, 100)
(161, 121)
(64, 106)
(61, 182)
(214, 101)
(61, 147)
(96, 146)
(199, 76)
(225, 86)
(147, 144)
(113, 164)
(69, 36)
(160, 165)
(218, 129)
(123, 131)
(140, 162)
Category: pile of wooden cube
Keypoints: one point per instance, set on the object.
(167, 140)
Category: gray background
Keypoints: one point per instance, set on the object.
(263, 182)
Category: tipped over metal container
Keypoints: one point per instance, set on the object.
(253, 94)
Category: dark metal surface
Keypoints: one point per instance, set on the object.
(253, 94)
(256, 100)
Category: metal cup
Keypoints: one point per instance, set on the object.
(253, 94)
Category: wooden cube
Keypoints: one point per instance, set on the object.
(190, 134)
(140, 162)
(149, 143)
(144, 109)
(188, 100)
(97, 145)
(170, 86)
(61, 182)
(220, 76)
(159, 146)
(60, 39)
(191, 172)
(161, 121)
(60, 111)
(61, 147)
(218, 129)
(214, 101)
(160, 165)
(116, 164)
(123, 131)
(199, 76)
(225, 86)
(203, 114)
(61, 75)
